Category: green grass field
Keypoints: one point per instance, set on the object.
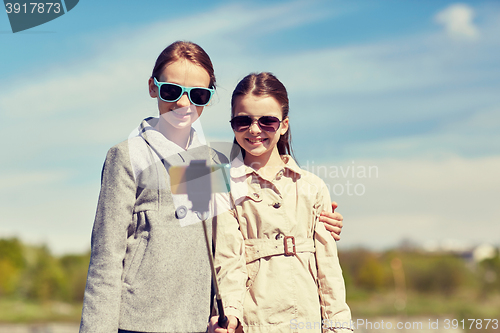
(21, 311)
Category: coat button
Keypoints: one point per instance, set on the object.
(277, 205)
(181, 212)
(256, 195)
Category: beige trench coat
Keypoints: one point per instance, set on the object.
(268, 290)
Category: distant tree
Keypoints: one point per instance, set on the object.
(12, 250)
(12, 263)
(441, 273)
(363, 269)
(370, 275)
(75, 268)
(9, 278)
(489, 274)
(46, 278)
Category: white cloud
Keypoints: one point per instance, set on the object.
(422, 199)
(457, 21)
(384, 231)
(74, 88)
(424, 61)
(49, 207)
(487, 120)
(474, 133)
(22, 180)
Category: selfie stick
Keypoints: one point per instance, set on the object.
(199, 191)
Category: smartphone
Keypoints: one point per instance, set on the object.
(198, 177)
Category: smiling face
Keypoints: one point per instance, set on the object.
(180, 114)
(259, 145)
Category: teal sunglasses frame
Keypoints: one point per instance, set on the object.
(183, 89)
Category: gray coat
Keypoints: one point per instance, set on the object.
(147, 272)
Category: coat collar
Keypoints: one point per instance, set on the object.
(166, 149)
(239, 169)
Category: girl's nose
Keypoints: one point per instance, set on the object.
(184, 100)
(254, 127)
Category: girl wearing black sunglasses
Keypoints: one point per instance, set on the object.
(277, 265)
(149, 270)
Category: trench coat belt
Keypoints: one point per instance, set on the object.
(259, 248)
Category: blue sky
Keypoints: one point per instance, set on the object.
(409, 88)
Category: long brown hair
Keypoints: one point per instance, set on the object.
(184, 50)
(265, 84)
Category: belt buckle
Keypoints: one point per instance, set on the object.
(286, 243)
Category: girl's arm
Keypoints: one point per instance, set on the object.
(101, 305)
(334, 310)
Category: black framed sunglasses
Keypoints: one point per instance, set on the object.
(171, 92)
(266, 123)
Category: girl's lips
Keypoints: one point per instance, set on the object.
(179, 115)
(183, 112)
(256, 141)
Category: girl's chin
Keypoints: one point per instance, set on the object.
(253, 147)
(255, 150)
(182, 125)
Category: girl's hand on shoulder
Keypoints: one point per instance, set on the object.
(333, 221)
(232, 324)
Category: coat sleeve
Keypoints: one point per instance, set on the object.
(334, 310)
(230, 263)
(101, 305)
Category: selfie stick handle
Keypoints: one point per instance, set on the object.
(222, 317)
(199, 191)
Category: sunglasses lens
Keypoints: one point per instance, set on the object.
(170, 92)
(269, 124)
(266, 123)
(200, 96)
(241, 123)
